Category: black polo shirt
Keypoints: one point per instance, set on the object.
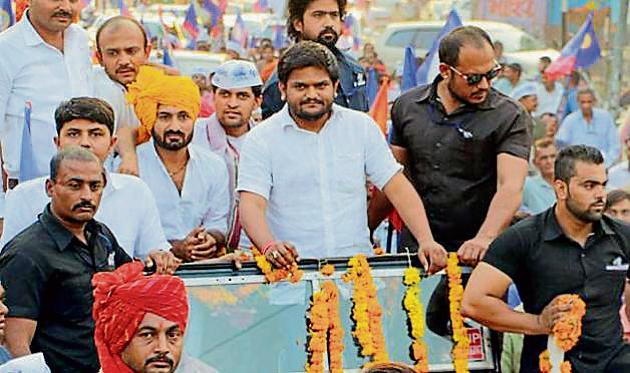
(47, 274)
(452, 159)
(543, 263)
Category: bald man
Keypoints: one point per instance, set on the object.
(121, 48)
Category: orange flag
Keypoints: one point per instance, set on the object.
(379, 108)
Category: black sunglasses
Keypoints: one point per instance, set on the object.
(474, 79)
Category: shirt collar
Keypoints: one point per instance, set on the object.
(429, 92)
(31, 37)
(287, 120)
(60, 234)
(112, 184)
(552, 229)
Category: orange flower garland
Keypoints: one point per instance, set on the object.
(327, 270)
(293, 275)
(413, 306)
(324, 321)
(455, 296)
(566, 331)
(366, 311)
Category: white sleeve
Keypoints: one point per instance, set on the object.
(219, 208)
(18, 215)
(254, 171)
(5, 90)
(151, 236)
(380, 164)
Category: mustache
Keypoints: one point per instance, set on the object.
(160, 358)
(327, 30)
(171, 132)
(311, 101)
(82, 205)
(125, 67)
(62, 13)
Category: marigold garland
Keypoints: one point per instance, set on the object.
(455, 296)
(292, 275)
(366, 311)
(325, 330)
(566, 332)
(413, 306)
(327, 270)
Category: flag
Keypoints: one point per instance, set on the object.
(581, 51)
(239, 32)
(429, 68)
(167, 59)
(409, 70)
(261, 6)
(279, 37)
(28, 166)
(7, 18)
(190, 22)
(215, 11)
(347, 28)
(379, 108)
(124, 10)
(372, 85)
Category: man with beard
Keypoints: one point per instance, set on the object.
(321, 21)
(303, 172)
(47, 269)
(140, 323)
(237, 88)
(189, 183)
(466, 148)
(572, 248)
(45, 59)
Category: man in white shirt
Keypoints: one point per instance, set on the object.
(549, 93)
(619, 174)
(127, 206)
(303, 171)
(237, 89)
(45, 59)
(189, 183)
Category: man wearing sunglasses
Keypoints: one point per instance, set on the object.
(465, 147)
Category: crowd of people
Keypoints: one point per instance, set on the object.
(131, 167)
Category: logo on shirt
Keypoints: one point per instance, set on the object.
(111, 259)
(617, 265)
(360, 80)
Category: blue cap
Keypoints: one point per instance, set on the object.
(236, 74)
(524, 89)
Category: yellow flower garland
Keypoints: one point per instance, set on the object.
(413, 306)
(366, 311)
(293, 275)
(324, 321)
(566, 331)
(455, 296)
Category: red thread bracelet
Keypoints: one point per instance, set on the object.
(267, 246)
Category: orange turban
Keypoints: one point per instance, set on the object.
(152, 88)
(122, 298)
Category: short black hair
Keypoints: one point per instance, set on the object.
(307, 54)
(296, 10)
(456, 39)
(256, 90)
(564, 167)
(516, 67)
(545, 59)
(70, 153)
(585, 91)
(616, 196)
(115, 21)
(88, 108)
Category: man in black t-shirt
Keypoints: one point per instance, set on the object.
(572, 248)
(47, 268)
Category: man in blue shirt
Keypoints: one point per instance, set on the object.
(321, 21)
(538, 194)
(591, 126)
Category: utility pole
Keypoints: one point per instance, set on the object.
(619, 42)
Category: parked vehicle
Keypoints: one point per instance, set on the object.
(189, 62)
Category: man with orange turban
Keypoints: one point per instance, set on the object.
(140, 322)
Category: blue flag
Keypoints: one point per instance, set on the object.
(430, 67)
(372, 85)
(7, 18)
(214, 10)
(28, 166)
(167, 59)
(409, 70)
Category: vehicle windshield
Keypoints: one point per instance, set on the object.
(514, 40)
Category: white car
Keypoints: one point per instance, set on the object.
(189, 62)
(518, 45)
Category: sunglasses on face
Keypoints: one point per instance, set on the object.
(474, 79)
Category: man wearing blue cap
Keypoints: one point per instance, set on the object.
(526, 94)
(237, 88)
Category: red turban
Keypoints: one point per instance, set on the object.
(122, 298)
